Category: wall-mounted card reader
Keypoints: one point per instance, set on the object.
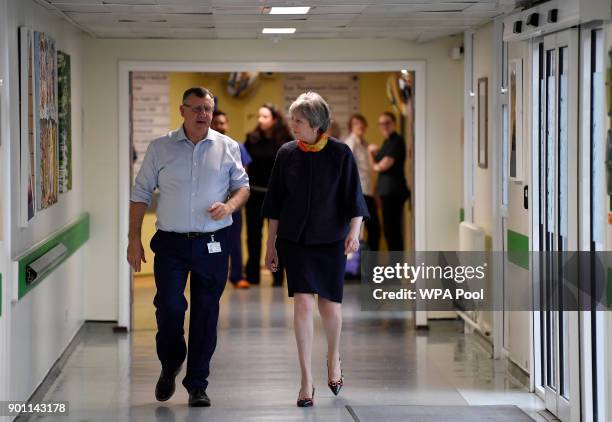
(45, 263)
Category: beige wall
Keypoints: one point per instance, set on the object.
(36, 329)
(483, 68)
(444, 87)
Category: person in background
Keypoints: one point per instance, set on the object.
(201, 183)
(357, 126)
(262, 144)
(388, 161)
(334, 130)
(315, 207)
(220, 123)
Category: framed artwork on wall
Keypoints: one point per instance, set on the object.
(483, 122)
(64, 109)
(28, 181)
(515, 144)
(39, 149)
(45, 106)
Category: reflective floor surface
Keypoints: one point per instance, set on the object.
(111, 377)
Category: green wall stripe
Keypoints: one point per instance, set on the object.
(461, 215)
(73, 236)
(517, 248)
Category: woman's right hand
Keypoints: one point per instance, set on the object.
(271, 257)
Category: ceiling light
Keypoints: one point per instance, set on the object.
(289, 10)
(278, 31)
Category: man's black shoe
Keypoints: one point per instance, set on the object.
(165, 385)
(198, 398)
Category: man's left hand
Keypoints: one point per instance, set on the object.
(219, 210)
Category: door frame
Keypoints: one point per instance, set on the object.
(125, 67)
(587, 341)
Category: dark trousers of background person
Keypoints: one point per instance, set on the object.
(175, 257)
(393, 217)
(372, 225)
(235, 247)
(254, 222)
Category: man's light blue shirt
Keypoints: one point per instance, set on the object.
(190, 179)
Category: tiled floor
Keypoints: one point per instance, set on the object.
(111, 377)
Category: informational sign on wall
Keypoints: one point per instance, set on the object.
(149, 113)
(340, 90)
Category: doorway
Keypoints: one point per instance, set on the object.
(125, 69)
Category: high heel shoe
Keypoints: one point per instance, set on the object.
(336, 386)
(306, 401)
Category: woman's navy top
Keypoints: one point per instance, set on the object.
(314, 195)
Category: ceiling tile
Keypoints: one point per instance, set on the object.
(401, 19)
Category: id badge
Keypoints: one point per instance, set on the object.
(213, 247)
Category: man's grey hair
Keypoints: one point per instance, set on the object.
(314, 109)
(199, 92)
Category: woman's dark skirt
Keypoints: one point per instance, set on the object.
(316, 269)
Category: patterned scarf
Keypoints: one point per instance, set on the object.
(317, 146)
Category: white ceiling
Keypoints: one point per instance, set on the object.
(413, 20)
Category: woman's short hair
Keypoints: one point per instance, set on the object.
(360, 117)
(314, 109)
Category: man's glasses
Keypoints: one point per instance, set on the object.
(385, 123)
(199, 109)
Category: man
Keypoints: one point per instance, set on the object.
(392, 189)
(220, 123)
(201, 183)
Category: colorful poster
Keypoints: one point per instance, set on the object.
(64, 108)
(45, 77)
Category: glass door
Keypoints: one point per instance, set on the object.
(557, 98)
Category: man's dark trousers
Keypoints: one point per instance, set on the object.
(175, 256)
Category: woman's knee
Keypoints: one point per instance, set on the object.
(303, 303)
(327, 308)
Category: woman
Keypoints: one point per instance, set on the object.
(315, 207)
(388, 162)
(262, 144)
(357, 126)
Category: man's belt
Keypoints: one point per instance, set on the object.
(190, 235)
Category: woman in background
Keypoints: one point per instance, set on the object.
(315, 207)
(357, 126)
(262, 144)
